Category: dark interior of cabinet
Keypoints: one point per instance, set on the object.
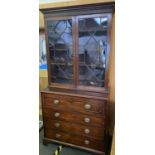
(61, 51)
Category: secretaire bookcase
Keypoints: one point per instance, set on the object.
(75, 104)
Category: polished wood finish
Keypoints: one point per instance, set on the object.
(75, 139)
(79, 104)
(69, 116)
(80, 127)
(74, 92)
(74, 128)
(73, 114)
(79, 10)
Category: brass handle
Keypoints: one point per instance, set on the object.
(87, 106)
(57, 135)
(87, 120)
(87, 142)
(56, 102)
(57, 114)
(57, 125)
(87, 131)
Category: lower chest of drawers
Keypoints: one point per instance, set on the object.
(79, 121)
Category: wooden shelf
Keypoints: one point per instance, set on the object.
(60, 32)
(59, 49)
(96, 66)
(62, 64)
(100, 81)
(58, 77)
(80, 65)
(94, 29)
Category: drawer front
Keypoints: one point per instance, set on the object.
(73, 117)
(79, 104)
(94, 132)
(75, 139)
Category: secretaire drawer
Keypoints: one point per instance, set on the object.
(94, 132)
(79, 104)
(73, 117)
(75, 139)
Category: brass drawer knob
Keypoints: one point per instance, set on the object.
(57, 125)
(57, 135)
(87, 142)
(56, 102)
(87, 131)
(87, 120)
(87, 106)
(57, 114)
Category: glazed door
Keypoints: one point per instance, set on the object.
(93, 50)
(60, 51)
(78, 50)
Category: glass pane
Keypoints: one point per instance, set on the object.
(104, 21)
(92, 51)
(61, 51)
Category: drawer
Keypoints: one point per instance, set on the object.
(75, 139)
(79, 104)
(94, 132)
(73, 117)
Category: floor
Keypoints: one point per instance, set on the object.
(51, 147)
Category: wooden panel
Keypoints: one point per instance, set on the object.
(43, 83)
(112, 78)
(43, 80)
(66, 4)
(96, 133)
(71, 3)
(79, 104)
(78, 140)
(73, 117)
(113, 145)
(43, 73)
(41, 20)
(76, 92)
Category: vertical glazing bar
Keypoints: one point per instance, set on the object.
(74, 29)
(77, 49)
